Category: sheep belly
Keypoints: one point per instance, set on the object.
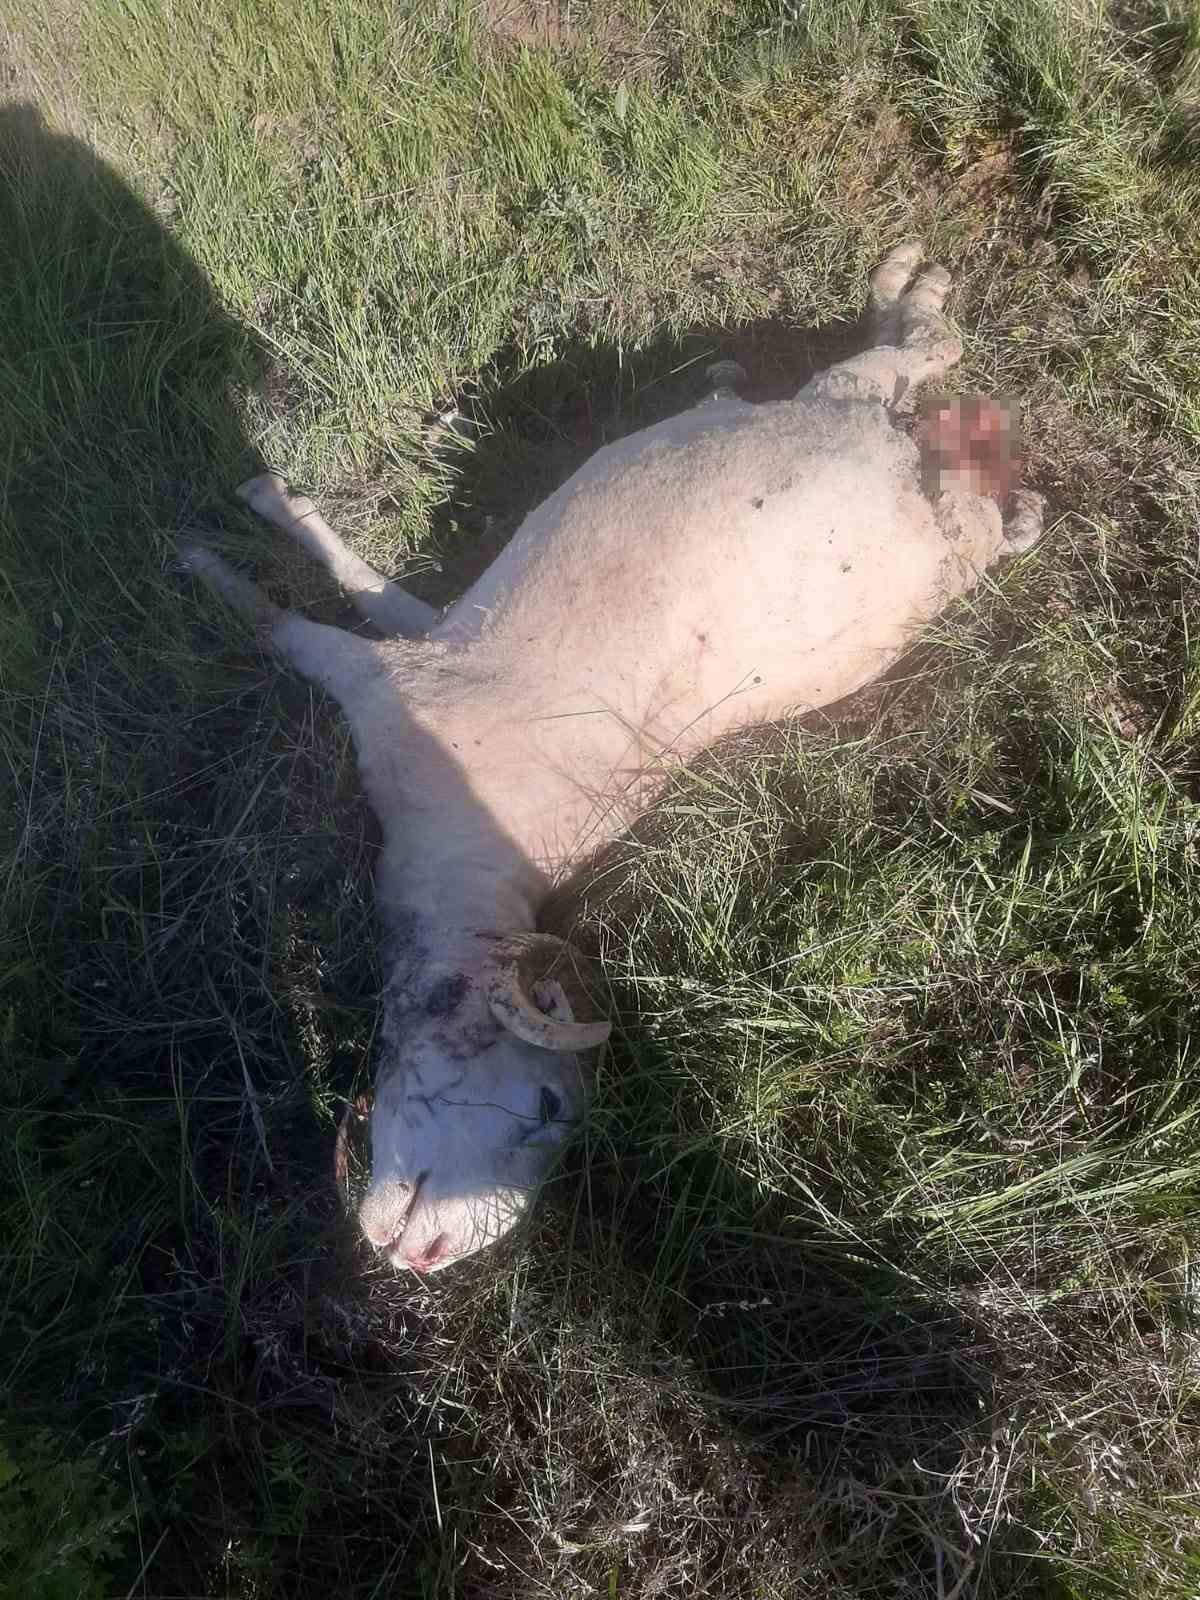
(779, 560)
(690, 581)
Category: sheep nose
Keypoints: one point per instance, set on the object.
(385, 1210)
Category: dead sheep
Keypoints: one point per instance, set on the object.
(727, 567)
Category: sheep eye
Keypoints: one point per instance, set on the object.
(549, 1105)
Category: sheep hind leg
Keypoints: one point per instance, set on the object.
(914, 341)
(888, 284)
(384, 603)
(722, 380)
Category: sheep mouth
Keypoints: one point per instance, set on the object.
(392, 1247)
(435, 1254)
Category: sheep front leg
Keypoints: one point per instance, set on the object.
(914, 339)
(342, 663)
(392, 609)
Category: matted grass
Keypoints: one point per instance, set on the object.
(875, 1271)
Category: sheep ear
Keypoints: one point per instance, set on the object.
(550, 996)
(526, 970)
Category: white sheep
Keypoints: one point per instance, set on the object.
(724, 568)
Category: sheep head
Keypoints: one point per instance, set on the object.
(482, 1079)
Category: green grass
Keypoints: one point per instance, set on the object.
(877, 1270)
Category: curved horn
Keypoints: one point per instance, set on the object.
(520, 962)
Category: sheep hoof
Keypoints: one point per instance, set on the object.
(1024, 520)
(723, 379)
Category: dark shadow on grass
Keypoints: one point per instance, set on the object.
(186, 920)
